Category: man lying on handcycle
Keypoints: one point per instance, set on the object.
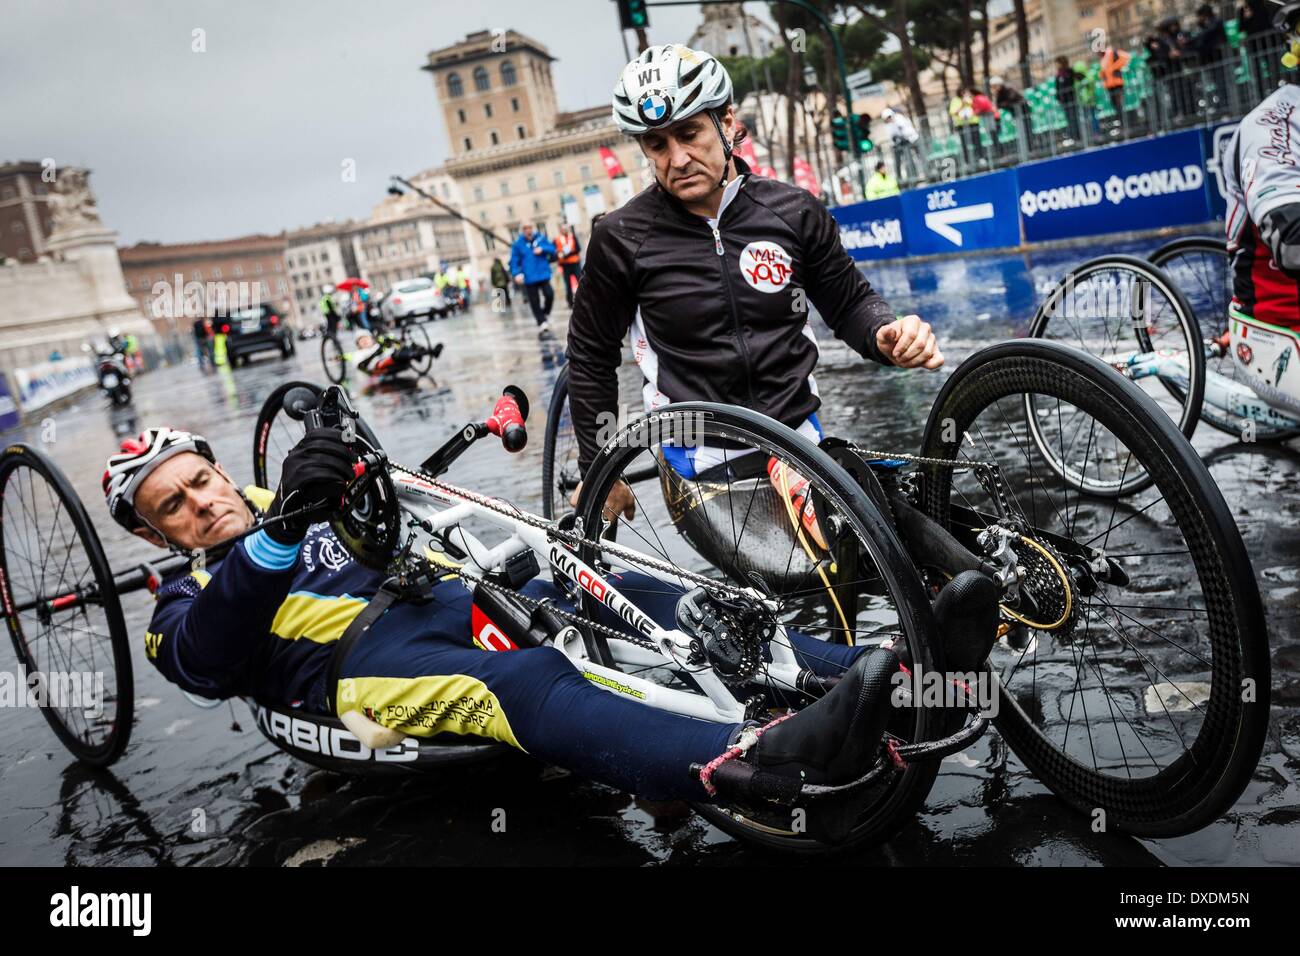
(266, 617)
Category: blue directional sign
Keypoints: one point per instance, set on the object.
(975, 213)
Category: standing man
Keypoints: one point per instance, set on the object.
(501, 279)
(904, 137)
(329, 310)
(569, 253)
(531, 267)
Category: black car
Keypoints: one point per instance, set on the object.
(257, 329)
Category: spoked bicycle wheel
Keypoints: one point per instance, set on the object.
(277, 432)
(728, 523)
(416, 336)
(1202, 270)
(1133, 317)
(1135, 676)
(560, 475)
(62, 608)
(334, 358)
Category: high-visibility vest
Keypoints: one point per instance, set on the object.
(1112, 65)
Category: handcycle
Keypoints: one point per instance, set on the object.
(379, 353)
(1123, 690)
(1164, 322)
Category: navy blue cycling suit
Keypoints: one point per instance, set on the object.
(264, 621)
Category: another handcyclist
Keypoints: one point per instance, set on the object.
(1262, 170)
(713, 270)
(265, 617)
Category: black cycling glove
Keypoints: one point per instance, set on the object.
(313, 477)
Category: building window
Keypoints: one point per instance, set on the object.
(454, 87)
(324, 257)
(558, 176)
(144, 283)
(446, 192)
(505, 187)
(585, 172)
(280, 287)
(537, 205)
(510, 212)
(257, 269)
(514, 103)
(196, 275)
(523, 133)
(481, 81)
(478, 194)
(532, 184)
(508, 75)
(280, 268)
(239, 271)
(496, 140)
(460, 114)
(487, 110)
(468, 145)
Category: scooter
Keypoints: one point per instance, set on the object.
(114, 379)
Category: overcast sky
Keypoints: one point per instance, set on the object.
(249, 136)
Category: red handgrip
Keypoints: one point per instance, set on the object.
(507, 422)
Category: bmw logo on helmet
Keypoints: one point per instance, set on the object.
(654, 107)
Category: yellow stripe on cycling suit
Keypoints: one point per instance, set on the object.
(203, 577)
(315, 617)
(425, 706)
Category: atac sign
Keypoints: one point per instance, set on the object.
(766, 266)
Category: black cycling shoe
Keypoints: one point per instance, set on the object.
(966, 611)
(834, 741)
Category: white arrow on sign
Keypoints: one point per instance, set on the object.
(943, 220)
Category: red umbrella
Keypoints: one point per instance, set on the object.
(350, 283)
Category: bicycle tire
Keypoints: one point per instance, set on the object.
(267, 453)
(1199, 785)
(1189, 399)
(419, 338)
(905, 791)
(59, 492)
(334, 359)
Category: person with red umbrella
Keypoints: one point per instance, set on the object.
(359, 293)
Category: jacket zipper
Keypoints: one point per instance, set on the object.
(735, 319)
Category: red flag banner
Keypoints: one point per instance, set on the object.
(805, 178)
(612, 166)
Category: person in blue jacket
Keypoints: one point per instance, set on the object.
(530, 264)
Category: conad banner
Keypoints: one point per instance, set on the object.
(38, 385)
(8, 408)
(1154, 182)
(1162, 181)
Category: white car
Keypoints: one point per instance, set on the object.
(413, 297)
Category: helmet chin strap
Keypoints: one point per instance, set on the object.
(726, 148)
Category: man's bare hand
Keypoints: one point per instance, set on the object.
(910, 343)
(620, 501)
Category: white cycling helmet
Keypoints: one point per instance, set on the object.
(666, 84)
(127, 470)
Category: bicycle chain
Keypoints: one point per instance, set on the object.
(988, 474)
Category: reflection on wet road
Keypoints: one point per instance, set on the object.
(204, 787)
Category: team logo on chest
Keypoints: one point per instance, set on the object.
(766, 266)
(332, 554)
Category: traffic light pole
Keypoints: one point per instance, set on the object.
(839, 62)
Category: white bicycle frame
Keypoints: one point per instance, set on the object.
(442, 508)
(1222, 393)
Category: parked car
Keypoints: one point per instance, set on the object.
(413, 297)
(257, 329)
